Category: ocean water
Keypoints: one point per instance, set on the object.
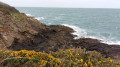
(103, 24)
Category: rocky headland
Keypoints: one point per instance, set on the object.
(20, 32)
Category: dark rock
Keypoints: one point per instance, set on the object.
(96, 45)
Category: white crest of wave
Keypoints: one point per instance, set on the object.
(28, 14)
(78, 31)
(106, 40)
(40, 18)
(81, 33)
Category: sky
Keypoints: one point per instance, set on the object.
(65, 3)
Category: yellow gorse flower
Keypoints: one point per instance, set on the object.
(110, 60)
(99, 62)
(81, 60)
(32, 55)
(59, 59)
(85, 64)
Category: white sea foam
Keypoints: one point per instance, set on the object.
(40, 18)
(49, 23)
(106, 40)
(29, 15)
(81, 33)
(78, 31)
(112, 42)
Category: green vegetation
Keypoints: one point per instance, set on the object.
(17, 17)
(62, 58)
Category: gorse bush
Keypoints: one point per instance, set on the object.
(82, 58)
(62, 58)
(27, 59)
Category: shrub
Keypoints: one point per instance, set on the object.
(27, 59)
(63, 58)
(82, 58)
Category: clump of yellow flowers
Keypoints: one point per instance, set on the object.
(75, 57)
(31, 58)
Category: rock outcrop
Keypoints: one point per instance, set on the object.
(15, 25)
(19, 32)
(6, 8)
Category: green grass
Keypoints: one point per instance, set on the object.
(17, 17)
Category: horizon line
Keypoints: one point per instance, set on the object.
(69, 7)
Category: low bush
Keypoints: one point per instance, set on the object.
(63, 58)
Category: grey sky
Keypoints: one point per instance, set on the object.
(65, 3)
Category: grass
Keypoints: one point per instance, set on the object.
(17, 17)
(62, 58)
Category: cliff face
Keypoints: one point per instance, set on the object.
(15, 25)
(18, 32)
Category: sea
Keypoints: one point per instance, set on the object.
(96, 23)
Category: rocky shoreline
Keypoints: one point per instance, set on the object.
(20, 32)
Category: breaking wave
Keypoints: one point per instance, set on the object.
(40, 18)
(82, 33)
(29, 15)
(78, 31)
